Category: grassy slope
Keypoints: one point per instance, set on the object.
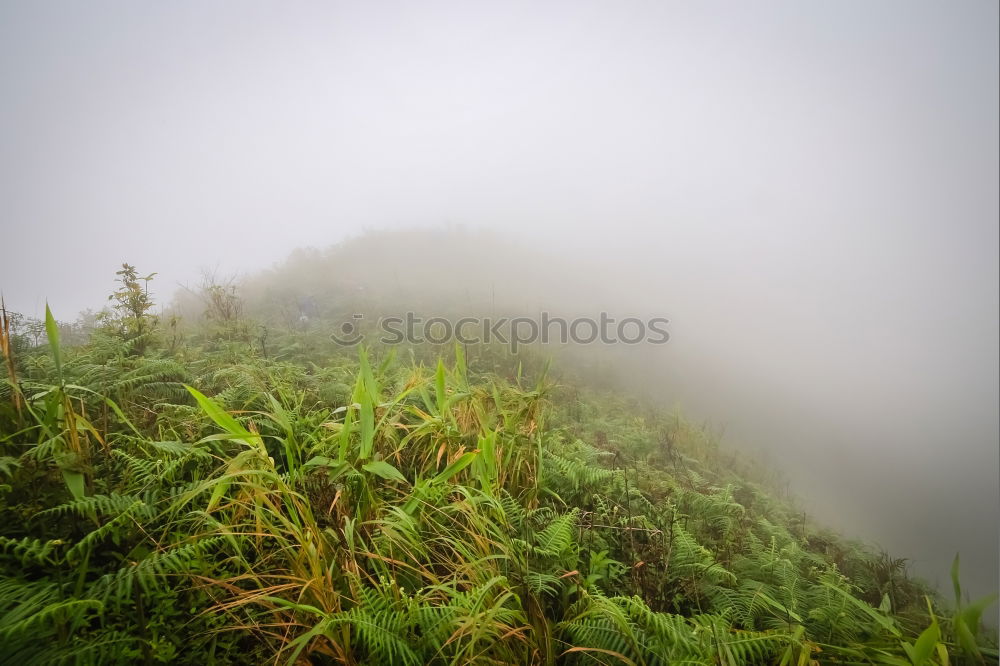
(322, 507)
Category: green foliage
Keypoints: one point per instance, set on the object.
(131, 304)
(213, 504)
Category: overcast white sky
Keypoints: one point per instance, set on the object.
(808, 188)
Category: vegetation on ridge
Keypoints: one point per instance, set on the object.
(243, 499)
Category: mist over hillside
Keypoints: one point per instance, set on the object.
(761, 239)
(867, 435)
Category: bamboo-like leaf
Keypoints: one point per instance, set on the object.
(75, 482)
(365, 397)
(439, 387)
(223, 419)
(52, 333)
(383, 469)
(451, 470)
(874, 614)
(344, 436)
(922, 650)
(955, 582)
(220, 488)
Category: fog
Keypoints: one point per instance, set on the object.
(807, 190)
